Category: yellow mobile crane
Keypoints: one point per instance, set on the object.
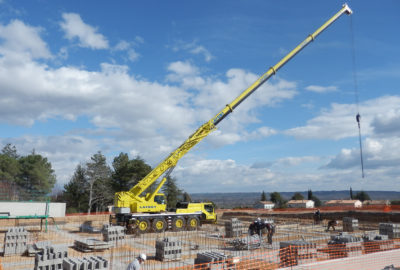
(149, 211)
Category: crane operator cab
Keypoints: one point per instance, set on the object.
(159, 198)
(207, 210)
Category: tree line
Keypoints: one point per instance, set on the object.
(91, 187)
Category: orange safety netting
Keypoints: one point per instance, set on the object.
(353, 255)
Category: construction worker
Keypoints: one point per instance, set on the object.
(332, 223)
(271, 230)
(135, 265)
(317, 216)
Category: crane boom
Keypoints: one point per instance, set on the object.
(122, 199)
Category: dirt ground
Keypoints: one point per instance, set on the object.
(211, 237)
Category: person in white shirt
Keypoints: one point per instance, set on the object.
(135, 265)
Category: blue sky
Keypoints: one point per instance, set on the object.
(77, 77)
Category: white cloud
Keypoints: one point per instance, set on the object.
(378, 155)
(388, 122)
(296, 161)
(321, 89)
(340, 122)
(87, 35)
(183, 68)
(122, 45)
(19, 38)
(131, 53)
(193, 48)
(201, 50)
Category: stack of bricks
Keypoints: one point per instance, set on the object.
(211, 260)
(375, 243)
(350, 224)
(297, 252)
(345, 245)
(15, 241)
(392, 230)
(85, 263)
(113, 233)
(233, 228)
(51, 258)
(168, 249)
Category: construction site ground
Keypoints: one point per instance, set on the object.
(290, 225)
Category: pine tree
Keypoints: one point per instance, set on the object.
(186, 197)
(297, 196)
(309, 195)
(263, 196)
(362, 196)
(36, 176)
(171, 191)
(98, 175)
(76, 191)
(277, 199)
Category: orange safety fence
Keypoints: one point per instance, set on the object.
(378, 208)
(87, 214)
(352, 255)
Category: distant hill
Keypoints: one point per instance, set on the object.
(241, 199)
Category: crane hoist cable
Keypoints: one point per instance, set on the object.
(358, 116)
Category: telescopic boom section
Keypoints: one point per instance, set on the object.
(209, 126)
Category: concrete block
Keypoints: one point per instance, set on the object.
(168, 249)
(233, 228)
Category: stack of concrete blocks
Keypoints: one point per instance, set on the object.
(85, 263)
(375, 243)
(345, 245)
(91, 244)
(392, 230)
(15, 241)
(233, 228)
(51, 258)
(168, 249)
(297, 252)
(350, 224)
(211, 261)
(113, 233)
(37, 247)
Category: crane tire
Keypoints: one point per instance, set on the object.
(178, 224)
(193, 223)
(143, 225)
(159, 225)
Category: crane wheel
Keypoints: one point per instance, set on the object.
(178, 224)
(159, 225)
(193, 223)
(143, 225)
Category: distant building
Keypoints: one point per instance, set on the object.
(352, 203)
(300, 204)
(376, 202)
(264, 205)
